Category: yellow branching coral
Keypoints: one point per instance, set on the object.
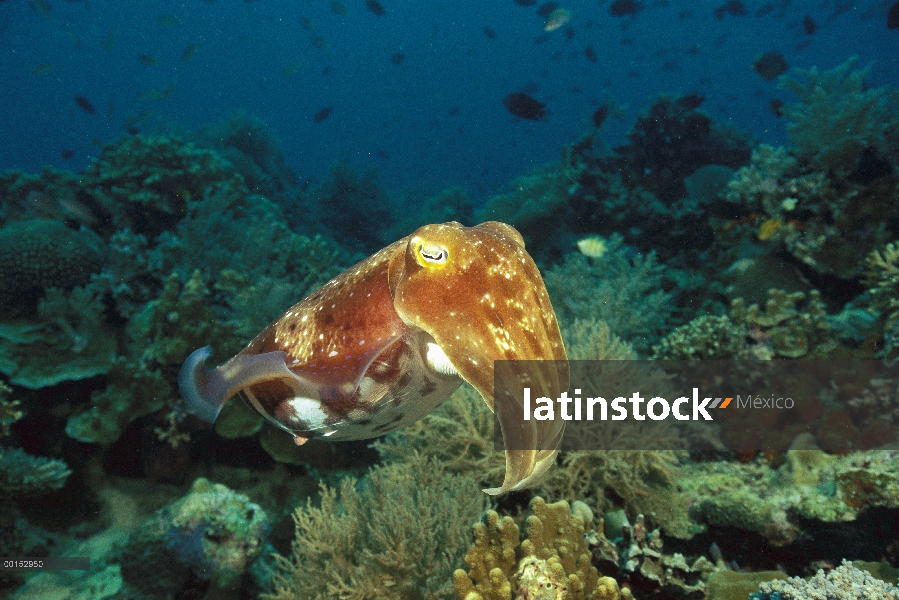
(553, 563)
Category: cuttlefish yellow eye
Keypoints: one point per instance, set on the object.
(430, 253)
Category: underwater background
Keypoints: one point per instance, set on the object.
(698, 180)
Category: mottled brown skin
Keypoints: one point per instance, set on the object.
(356, 358)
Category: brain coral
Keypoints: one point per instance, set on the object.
(40, 254)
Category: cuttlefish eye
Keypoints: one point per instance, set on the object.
(433, 253)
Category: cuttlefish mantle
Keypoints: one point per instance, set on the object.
(388, 340)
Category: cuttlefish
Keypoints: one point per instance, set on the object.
(387, 341)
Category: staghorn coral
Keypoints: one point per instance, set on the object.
(39, 254)
(397, 534)
(553, 563)
(213, 534)
(838, 117)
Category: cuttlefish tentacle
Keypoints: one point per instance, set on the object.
(391, 338)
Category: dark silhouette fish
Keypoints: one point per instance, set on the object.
(622, 8)
(809, 24)
(490, 33)
(525, 2)
(375, 7)
(893, 16)
(600, 114)
(547, 8)
(770, 65)
(322, 114)
(776, 106)
(690, 101)
(85, 105)
(68, 154)
(398, 58)
(524, 106)
(590, 53)
(734, 8)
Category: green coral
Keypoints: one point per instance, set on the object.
(132, 391)
(882, 281)
(838, 116)
(24, 475)
(70, 328)
(399, 534)
(39, 254)
(145, 183)
(705, 337)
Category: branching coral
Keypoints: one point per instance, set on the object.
(24, 475)
(882, 280)
(397, 534)
(623, 291)
(705, 337)
(553, 563)
(838, 117)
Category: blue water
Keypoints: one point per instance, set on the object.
(436, 119)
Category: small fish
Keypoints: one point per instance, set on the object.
(168, 20)
(623, 8)
(808, 24)
(157, 94)
(734, 8)
(592, 246)
(307, 24)
(690, 101)
(557, 19)
(375, 7)
(525, 2)
(600, 114)
(489, 33)
(319, 42)
(776, 107)
(590, 53)
(322, 114)
(191, 51)
(398, 58)
(770, 65)
(893, 16)
(338, 8)
(525, 106)
(148, 60)
(67, 154)
(42, 69)
(293, 68)
(85, 105)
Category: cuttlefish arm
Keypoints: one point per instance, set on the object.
(478, 293)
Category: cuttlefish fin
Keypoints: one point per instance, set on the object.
(524, 469)
(206, 390)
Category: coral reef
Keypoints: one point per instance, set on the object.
(706, 337)
(882, 281)
(838, 117)
(843, 583)
(212, 534)
(398, 533)
(782, 329)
